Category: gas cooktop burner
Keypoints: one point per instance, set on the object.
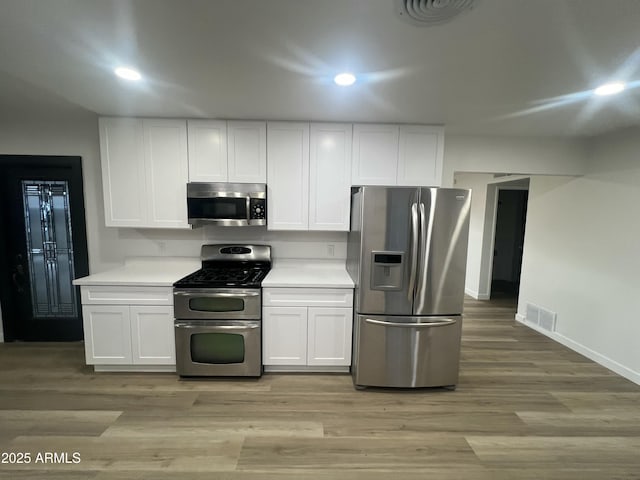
(230, 266)
(226, 277)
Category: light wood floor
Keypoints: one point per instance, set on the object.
(525, 408)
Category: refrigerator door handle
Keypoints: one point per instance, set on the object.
(415, 226)
(424, 251)
(437, 323)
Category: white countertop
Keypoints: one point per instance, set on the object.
(308, 273)
(151, 271)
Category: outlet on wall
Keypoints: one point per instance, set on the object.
(331, 250)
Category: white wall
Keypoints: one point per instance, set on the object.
(581, 255)
(477, 183)
(515, 155)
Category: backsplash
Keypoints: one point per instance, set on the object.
(187, 243)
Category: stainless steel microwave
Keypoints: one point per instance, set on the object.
(228, 204)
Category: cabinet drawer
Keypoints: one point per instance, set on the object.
(126, 295)
(307, 297)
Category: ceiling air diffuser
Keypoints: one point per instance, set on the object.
(425, 13)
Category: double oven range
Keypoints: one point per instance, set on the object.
(218, 312)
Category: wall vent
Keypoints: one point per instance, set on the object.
(425, 13)
(547, 320)
(542, 317)
(533, 314)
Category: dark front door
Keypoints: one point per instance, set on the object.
(42, 247)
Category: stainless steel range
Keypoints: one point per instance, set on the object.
(218, 312)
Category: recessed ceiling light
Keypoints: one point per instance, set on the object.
(345, 79)
(128, 73)
(609, 88)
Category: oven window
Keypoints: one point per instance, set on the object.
(216, 304)
(216, 348)
(221, 208)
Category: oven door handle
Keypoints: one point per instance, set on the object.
(218, 327)
(216, 294)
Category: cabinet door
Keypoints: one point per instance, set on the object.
(165, 147)
(420, 155)
(287, 176)
(152, 335)
(329, 336)
(284, 336)
(375, 154)
(330, 176)
(107, 335)
(247, 158)
(207, 141)
(123, 172)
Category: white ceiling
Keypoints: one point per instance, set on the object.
(514, 67)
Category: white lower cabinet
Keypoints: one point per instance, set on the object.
(329, 336)
(152, 337)
(107, 334)
(284, 335)
(302, 334)
(123, 335)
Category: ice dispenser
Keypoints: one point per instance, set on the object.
(387, 270)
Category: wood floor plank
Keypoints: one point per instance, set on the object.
(625, 423)
(356, 453)
(569, 451)
(194, 426)
(594, 400)
(56, 422)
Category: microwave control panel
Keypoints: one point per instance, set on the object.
(257, 208)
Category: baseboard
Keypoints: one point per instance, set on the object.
(476, 295)
(305, 369)
(586, 351)
(135, 368)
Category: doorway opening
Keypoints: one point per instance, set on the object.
(508, 243)
(43, 247)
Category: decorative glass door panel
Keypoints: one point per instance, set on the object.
(49, 248)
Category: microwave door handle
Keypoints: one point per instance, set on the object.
(414, 249)
(248, 207)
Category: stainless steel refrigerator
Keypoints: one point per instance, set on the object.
(407, 254)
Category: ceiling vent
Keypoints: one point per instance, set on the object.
(425, 13)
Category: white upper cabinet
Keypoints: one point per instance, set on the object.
(420, 155)
(330, 176)
(375, 154)
(144, 172)
(165, 148)
(207, 141)
(309, 176)
(227, 151)
(288, 176)
(397, 155)
(247, 152)
(123, 172)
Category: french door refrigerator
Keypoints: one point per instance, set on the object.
(406, 254)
